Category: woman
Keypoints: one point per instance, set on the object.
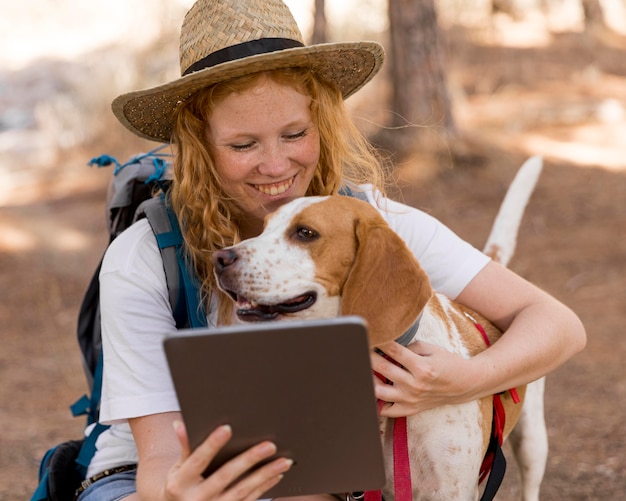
(256, 120)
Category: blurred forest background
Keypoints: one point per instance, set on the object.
(470, 89)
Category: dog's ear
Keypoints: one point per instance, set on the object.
(386, 284)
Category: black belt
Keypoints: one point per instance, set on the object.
(106, 473)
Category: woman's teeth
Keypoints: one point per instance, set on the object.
(274, 189)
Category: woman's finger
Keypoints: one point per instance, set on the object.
(405, 354)
(387, 367)
(257, 483)
(194, 463)
(181, 434)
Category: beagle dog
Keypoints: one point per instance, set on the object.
(320, 257)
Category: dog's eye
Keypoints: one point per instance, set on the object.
(306, 234)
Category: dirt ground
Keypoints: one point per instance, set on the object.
(564, 101)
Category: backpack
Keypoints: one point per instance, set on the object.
(132, 195)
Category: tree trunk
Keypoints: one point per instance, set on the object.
(319, 23)
(594, 17)
(420, 95)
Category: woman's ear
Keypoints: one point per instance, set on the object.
(386, 284)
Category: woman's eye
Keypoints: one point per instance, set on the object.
(295, 136)
(241, 147)
(306, 234)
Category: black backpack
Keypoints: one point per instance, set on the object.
(138, 189)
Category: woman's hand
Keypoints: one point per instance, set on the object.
(185, 480)
(540, 334)
(424, 377)
(170, 470)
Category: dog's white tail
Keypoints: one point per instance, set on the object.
(502, 240)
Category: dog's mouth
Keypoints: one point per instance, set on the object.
(251, 311)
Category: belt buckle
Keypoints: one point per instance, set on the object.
(355, 496)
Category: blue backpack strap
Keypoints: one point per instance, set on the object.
(41, 492)
(88, 448)
(351, 190)
(182, 284)
(91, 407)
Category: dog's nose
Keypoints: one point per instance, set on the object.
(224, 258)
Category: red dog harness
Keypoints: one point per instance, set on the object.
(493, 460)
(499, 417)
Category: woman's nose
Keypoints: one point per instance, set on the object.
(274, 161)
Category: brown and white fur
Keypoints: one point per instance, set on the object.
(320, 257)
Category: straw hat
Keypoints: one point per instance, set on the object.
(222, 39)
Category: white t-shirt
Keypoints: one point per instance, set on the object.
(136, 316)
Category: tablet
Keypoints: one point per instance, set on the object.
(305, 385)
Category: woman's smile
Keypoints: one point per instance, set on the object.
(274, 189)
